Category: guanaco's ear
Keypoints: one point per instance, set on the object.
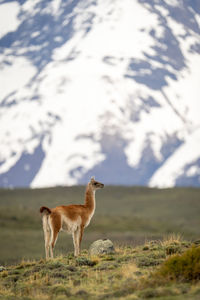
(92, 179)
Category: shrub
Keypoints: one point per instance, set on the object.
(60, 289)
(158, 292)
(184, 267)
(147, 262)
(82, 261)
(172, 249)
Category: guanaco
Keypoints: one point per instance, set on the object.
(71, 218)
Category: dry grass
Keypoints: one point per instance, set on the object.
(174, 238)
(127, 274)
(129, 271)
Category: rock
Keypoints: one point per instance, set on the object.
(101, 247)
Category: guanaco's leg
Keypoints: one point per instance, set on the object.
(55, 225)
(47, 243)
(54, 236)
(80, 237)
(74, 242)
(46, 229)
(75, 236)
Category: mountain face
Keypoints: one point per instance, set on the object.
(105, 88)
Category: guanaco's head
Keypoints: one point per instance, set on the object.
(95, 184)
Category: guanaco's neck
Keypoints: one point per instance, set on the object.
(90, 198)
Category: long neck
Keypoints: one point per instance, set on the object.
(90, 198)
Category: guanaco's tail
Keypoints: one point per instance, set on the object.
(45, 210)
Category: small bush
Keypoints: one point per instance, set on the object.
(71, 268)
(172, 249)
(158, 292)
(108, 258)
(82, 261)
(81, 294)
(54, 265)
(59, 275)
(151, 259)
(59, 289)
(185, 267)
(148, 262)
(145, 248)
(107, 266)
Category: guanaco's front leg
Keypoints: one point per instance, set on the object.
(75, 241)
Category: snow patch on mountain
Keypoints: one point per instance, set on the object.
(173, 168)
(9, 17)
(100, 88)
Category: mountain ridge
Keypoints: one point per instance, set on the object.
(106, 89)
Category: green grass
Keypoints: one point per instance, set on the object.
(130, 273)
(126, 215)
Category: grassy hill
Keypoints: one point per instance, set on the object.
(126, 215)
(167, 270)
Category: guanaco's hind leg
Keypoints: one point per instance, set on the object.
(55, 225)
(54, 236)
(47, 242)
(46, 229)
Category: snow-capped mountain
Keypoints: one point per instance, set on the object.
(106, 88)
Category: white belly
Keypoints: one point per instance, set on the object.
(69, 225)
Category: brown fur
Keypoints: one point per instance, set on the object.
(74, 218)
